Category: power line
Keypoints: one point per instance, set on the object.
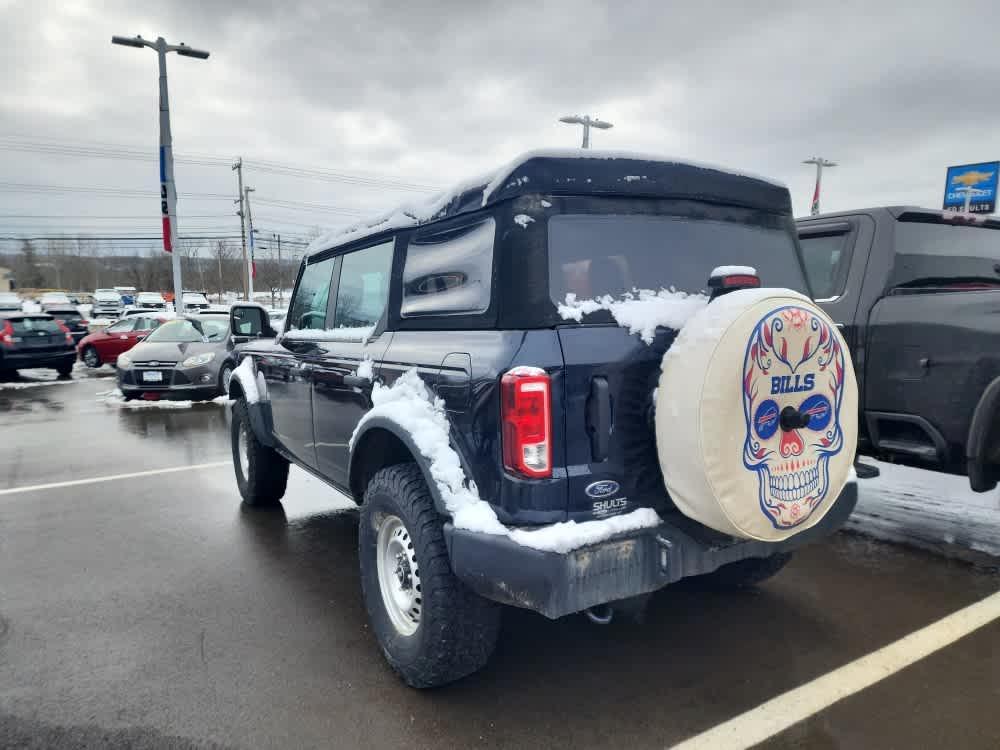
(111, 151)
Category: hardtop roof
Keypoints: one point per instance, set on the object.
(575, 172)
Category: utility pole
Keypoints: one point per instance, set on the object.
(820, 162)
(588, 122)
(168, 187)
(218, 255)
(281, 282)
(238, 166)
(249, 264)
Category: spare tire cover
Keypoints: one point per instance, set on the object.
(757, 415)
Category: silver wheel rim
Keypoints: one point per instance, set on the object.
(90, 358)
(243, 450)
(227, 375)
(398, 575)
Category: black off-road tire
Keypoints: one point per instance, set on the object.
(747, 573)
(458, 629)
(267, 472)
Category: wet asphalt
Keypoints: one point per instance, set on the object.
(155, 612)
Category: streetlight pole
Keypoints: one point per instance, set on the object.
(168, 188)
(820, 162)
(588, 122)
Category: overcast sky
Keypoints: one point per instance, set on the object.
(430, 92)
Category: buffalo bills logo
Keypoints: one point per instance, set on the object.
(793, 359)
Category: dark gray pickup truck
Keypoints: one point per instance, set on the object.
(916, 293)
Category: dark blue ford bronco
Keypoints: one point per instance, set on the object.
(551, 417)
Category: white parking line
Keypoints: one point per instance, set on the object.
(113, 477)
(778, 714)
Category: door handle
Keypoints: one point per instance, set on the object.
(599, 418)
(356, 381)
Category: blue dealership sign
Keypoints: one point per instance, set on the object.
(978, 179)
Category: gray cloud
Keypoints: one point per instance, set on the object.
(432, 92)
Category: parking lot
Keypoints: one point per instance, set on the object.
(141, 606)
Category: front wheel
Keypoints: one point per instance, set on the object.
(65, 370)
(432, 629)
(225, 376)
(261, 473)
(91, 358)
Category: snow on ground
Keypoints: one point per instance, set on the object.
(926, 509)
(642, 311)
(116, 398)
(409, 404)
(522, 220)
(32, 378)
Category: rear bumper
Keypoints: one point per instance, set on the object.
(27, 360)
(629, 565)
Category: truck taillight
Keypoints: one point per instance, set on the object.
(526, 414)
(7, 334)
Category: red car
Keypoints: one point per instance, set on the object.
(103, 347)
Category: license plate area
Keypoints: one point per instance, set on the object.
(152, 376)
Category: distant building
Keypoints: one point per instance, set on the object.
(6, 280)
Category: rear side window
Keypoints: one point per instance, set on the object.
(122, 326)
(823, 256)
(932, 254)
(364, 286)
(308, 308)
(449, 273)
(594, 255)
(30, 325)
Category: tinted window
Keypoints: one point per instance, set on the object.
(308, 308)
(926, 253)
(122, 326)
(449, 273)
(66, 315)
(29, 325)
(593, 255)
(364, 286)
(822, 256)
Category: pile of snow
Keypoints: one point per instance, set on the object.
(366, 369)
(330, 334)
(247, 378)
(642, 311)
(409, 404)
(17, 386)
(522, 220)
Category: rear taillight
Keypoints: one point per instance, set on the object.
(64, 329)
(526, 414)
(7, 334)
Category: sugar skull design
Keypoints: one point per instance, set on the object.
(793, 385)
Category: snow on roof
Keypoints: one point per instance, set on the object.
(419, 212)
(504, 177)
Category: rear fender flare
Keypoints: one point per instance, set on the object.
(982, 477)
(356, 467)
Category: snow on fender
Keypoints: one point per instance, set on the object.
(757, 415)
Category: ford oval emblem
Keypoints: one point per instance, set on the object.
(603, 488)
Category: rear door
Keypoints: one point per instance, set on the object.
(287, 368)
(610, 375)
(356, 334)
